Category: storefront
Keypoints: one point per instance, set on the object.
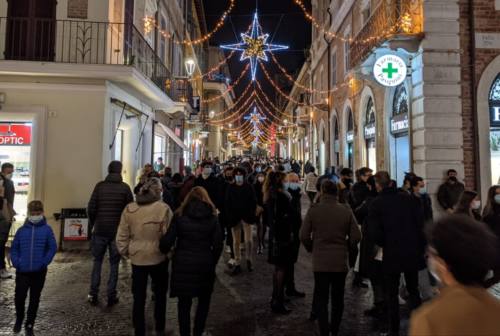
(494, 106)
(350, 140)
(369, 134)
(336, 142)
(399, 139)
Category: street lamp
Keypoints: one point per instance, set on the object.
(211, 115)
(190, 65)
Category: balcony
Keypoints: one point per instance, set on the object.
(83, 42)
(181, 90)
(392, 19)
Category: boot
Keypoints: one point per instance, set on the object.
(293, 292)
(278, 307)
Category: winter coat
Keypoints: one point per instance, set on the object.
(142, 225)
(359, 193)
(240, 204)
(393, 223)
(296, 168)
(310, 182)
(259, 193)
(106, 205)
(34, 247)
(367, 250)
(279, 212)
(492, 219)
(327, 230)
(197, 240)
(186, 188)
(7, 201)
(296, 221)
(175, 191)
(449, 194)
(213, 187)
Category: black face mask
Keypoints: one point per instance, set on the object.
(453, 179)
(229, 178)
(348, 181)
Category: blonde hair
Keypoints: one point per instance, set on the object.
(197, 193)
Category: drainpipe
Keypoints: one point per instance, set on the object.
(472, 50)
(329, 55)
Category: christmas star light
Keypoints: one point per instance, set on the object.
(254, 46)
(255, 117)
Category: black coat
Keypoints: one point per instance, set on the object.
(449, 194)
(296, 221)
(359, 193)
(493, 221)
(279, 210)
(213, 187)
(197, 240)
(240, 204)
(393, 223)
(258, 188)
(106, 205)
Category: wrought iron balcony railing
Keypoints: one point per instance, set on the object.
(85, 42)
(402, 18)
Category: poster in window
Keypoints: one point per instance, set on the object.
(76, 229)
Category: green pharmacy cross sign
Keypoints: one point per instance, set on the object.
(390, 70)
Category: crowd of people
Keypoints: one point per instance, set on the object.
(174, 227)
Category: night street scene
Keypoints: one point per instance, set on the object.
(250, 167)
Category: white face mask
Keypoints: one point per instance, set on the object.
(432, 270)
(8, 176)
(239, 179)
(35, 219)
(207, 172)
(476, 205)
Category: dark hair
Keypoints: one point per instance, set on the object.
(365, 170)
(35, 206)
(408, 177)
(312, 169)
(463, 205)
(240, 171)
(160, 158)
(206, 163)
(383, 178)
(414, 181)
(467, 247)
(115, 167)
(451, 171)
(177, 178)
(346, 171)
(273, 183)
(7, 165)
(329, 188)
(491, 205)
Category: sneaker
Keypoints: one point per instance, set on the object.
(228, 249)
(113, 301)
(231, 262)
(93, 299)
(28, 330)
(17, 327)
(4, 274)
(295, 293)
(236, 270)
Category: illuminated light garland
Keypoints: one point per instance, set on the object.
(276, 109)
(214, 69)
(229, 88)
(254, 46)
(230, 117)
(277, 88)
(206, 37)
(243, 94)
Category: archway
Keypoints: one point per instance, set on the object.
(322, 147)
(334, 143)
(399, 138)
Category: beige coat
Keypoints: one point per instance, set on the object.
(140, 230)
(458, 311)
(327, 227)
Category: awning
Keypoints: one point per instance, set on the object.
(174, 137)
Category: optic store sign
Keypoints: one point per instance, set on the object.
(12, 134)
(390, 70)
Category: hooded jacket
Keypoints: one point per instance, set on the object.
(142, 225)
(34, 247)
(107, 203)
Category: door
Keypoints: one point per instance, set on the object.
(31, 26)
(402, 158)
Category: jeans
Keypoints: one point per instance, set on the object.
(32, 282)
(159, 279)
(184, 313)
(99, 244)
(311, 195)
(247, 230)
(329, 285)
(391, 291)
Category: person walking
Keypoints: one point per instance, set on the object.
(345, 185)
(310, 182)
(293, 188)
(175, 187)
(147, 173)
(261, 227)
(227, 180)
(491, 216)
(279, 209)
(463, 307)
(7, 212)
(196, 237)
(142, 225)
(469, 205)
(240, 207)
(450, 191)
(210, 183)
(324, 232)
(394, 225)
(105, 208)
(33, 248)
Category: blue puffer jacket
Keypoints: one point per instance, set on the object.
(34, 247)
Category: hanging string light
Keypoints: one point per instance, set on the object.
(277, 88)
(214, 69)
(229, 88)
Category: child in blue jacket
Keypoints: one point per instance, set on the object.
(33, 249)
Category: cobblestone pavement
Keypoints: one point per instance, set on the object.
(240, 304)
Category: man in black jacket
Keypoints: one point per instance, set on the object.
(105, 208)
(211, 184)
(393, 224)
(450, 191)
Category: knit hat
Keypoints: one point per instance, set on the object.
(115, 167)
(35, 206)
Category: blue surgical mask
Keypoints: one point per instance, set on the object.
(422, 191)
(238, 179)
(35, 219)
(294, 186)
(286, 185)
(497, 199)
(258, 169)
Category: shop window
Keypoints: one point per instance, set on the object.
(370, 133)
(400, 142)
(350, 139)
(119, 145)
(336, 142)
(494, 104)
(159, 147)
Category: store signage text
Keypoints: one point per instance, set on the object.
(350, 136)
(399, 124)
(390, 70)
(370, 131)
(15, 134)
(495, 116)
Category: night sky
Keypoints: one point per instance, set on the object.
(283, 20)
